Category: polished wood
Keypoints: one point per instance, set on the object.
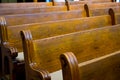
(30, 10)
(10, 34)
(86, 45)
(25, 5)
(42, 17)
(117, 16)
(97, 9)
(102, 68)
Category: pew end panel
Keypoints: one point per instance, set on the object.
(70, 69)
(37, 73)
(102, 68)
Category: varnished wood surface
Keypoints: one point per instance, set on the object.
(89, 44)
(102, 68)
(42, 17)
(101, 8)
(86, 45)
(54, 28)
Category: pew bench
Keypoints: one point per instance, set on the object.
(10, 34)
(86, 45)
(102, 68)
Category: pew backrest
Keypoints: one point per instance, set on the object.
(52, 28)
(12, 11)
(66, 7)
(25, 5)
(19, 19)
(85, 45)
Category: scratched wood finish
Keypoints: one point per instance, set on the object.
(85, 45)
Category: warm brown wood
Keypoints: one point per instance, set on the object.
(25, 5)
(89, 44)
(101, 68)
(11, 11)
(42, 17)
(101, 8)
(116, 15)
(49, 29)
(67, 7)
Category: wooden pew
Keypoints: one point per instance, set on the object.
(86, 45)
(42, 17)
(10, 34)
(102, 68)
(101, 8)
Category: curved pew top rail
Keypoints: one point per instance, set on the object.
(101, 8)
(89, 44)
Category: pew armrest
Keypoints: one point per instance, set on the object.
(40, 73)
(9, 50)
(70, 68)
